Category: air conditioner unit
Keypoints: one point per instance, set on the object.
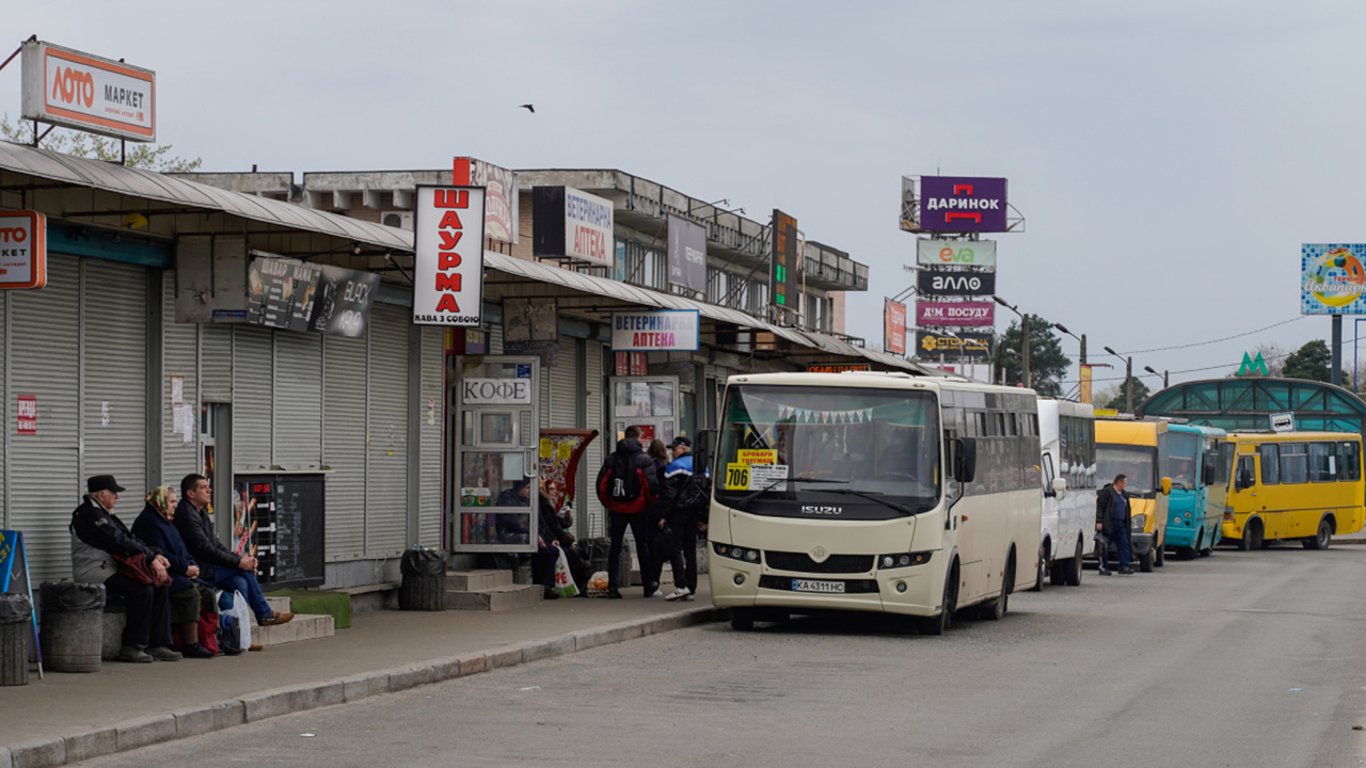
(400, 219)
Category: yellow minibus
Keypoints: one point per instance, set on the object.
(1293, 485)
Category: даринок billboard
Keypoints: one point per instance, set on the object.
(1332, 280)
(962, 204)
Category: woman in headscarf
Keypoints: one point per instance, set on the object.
(154, 526)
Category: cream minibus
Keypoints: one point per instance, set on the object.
(886, 492)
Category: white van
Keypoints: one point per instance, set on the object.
(1067, 441)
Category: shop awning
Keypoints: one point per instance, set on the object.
(176, 194)
(631, 295)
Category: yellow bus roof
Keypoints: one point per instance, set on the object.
(1129, 432)
(1281, 437)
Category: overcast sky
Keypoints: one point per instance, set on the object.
(1169, 156)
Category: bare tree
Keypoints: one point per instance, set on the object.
(151, 157)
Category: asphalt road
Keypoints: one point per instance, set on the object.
(1241, 659)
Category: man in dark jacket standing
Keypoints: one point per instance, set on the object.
(219, 565)
(626, 484)
(1113, 514)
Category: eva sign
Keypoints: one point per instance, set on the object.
(448, 267)
(78, 90)
(945, 253)
(23, 250)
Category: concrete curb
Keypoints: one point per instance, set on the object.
(262, 705)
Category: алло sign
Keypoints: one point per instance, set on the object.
(962, 204)
(955, 283)
(665, 330)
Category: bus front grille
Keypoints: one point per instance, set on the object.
(800, 562)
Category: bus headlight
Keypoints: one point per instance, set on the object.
(736, 553)
(1139, 521)
(903, 559)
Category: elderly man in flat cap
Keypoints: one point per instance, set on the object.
(97, 535)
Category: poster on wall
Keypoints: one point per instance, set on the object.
(687, 255)
(894, 327)
(295, 295)
(559, 453)
(448, 262)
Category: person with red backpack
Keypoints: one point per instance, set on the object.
(627, 484)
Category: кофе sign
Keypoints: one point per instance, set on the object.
(955, 283)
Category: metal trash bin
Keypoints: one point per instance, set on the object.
(73, 626)
(424, 580)
(15, 631)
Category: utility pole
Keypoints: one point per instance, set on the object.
(1129, 384)
(1026, 379)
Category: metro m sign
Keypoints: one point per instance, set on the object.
(962, 204)
(448, 268)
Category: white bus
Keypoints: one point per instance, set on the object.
(1067, 436)
(881, 492)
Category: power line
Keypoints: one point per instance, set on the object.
(1216, 341)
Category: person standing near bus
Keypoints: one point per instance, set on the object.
(1113, 512)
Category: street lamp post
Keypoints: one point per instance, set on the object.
(1149, 369)
(1084, 382)
(1128, 380)
(1025, 376)
(1081, 358)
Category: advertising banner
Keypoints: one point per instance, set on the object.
(500, 198)
(569, 223)
(894, 327)
(687, 255)
(1332, 280)
(661, 330)
(448, 264)
(78, 90)
(295, 295)
(957, 313)
(783, 282)
(26, 414)
(968, 346)
(962, 204)
(955, 283)
(948, 253)
(23, 250)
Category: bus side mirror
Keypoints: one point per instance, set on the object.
(702, 449)
(1059, 487)
(1166, 486)
(964, 459)
(1209, 470)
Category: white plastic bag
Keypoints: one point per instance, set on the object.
(564, 580)
(244, 618)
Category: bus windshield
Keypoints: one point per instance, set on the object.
(786, 439)
(1134, 461)
(1183, 449)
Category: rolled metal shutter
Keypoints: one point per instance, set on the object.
(297, 419)
(251, 409)
(114, 396)
(345, 363)
(44, 469)
(496, 339)
(432, 415)
(215, 362)
(180, 356)
(386, 485)
(593, 522)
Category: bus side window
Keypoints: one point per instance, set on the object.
(1271, 464)
(1349, 461)
(1246, 477)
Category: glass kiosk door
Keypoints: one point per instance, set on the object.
(649, 403)
(495, 412)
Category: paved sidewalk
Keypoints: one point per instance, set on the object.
(69, 717)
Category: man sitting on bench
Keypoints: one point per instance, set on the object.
(219, 565)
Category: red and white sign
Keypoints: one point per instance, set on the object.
(26, 414)
(448, 272)
(958, 313)
(894, 327)
(23, 250)
(89, 93)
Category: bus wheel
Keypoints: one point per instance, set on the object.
(1073, 569)
(742, 619)
(1145, 562)
(1205, 551)
(993, 610)
(1323, 538)
(938, 625)
(1043, 568)
(1252, 537)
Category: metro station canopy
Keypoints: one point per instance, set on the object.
(1247, 403)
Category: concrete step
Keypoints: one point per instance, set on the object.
(373, 597)
(478, 580)
(504, 598)
(305, 626)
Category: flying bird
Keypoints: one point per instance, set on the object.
(528, 107)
